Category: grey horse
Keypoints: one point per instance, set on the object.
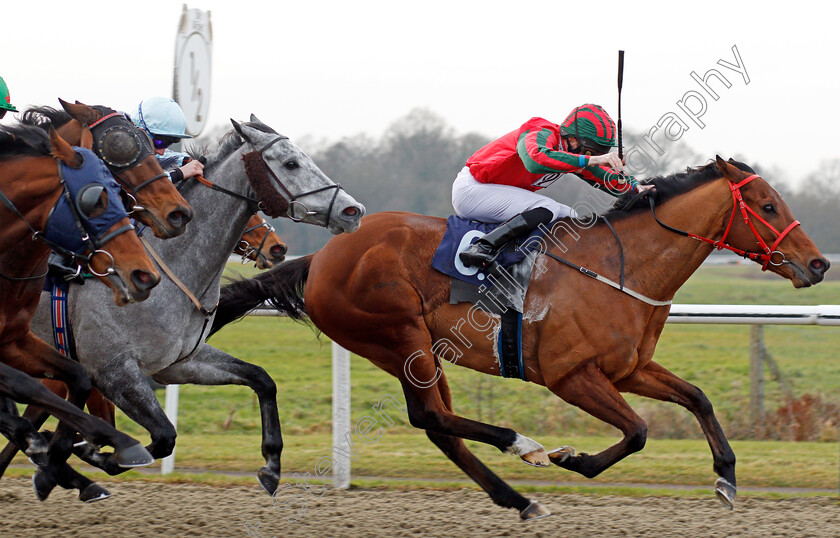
(164, 336)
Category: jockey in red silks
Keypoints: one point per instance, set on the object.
(500, 180)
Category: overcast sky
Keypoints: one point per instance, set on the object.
(333, 69)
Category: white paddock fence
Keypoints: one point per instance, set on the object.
(755, 315)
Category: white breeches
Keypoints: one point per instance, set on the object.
(490, 202)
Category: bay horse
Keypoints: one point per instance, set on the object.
(164, 337)
(127, 151)
(38, 199)
(260, 244)
(375, 294)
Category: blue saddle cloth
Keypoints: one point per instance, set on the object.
(498, 292)
(460, 234)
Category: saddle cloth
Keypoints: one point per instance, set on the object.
(499, 289)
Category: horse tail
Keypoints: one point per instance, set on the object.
(281, 286)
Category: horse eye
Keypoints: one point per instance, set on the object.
(290, 165)
(769, 209)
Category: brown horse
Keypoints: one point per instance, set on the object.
(31, 185)
(128, 152)
(375, 294)
(260, 244)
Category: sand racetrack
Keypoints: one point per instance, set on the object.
(154, 509)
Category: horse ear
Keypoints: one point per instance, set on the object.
(87, 138)
(255, 119)
(241, 130)
(81, 112)
(729, 171)
(63, 151)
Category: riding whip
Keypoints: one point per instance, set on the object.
(620, 82)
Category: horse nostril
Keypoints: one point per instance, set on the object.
(278, 251)
(819, 265)
(179, 217)
(143, 280)
(351, 211)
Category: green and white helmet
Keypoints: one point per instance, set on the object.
(5, 102)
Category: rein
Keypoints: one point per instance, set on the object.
(765, 257)
(592, 274)
(177, 281)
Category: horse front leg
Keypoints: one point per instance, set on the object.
(128, 389)
(588, 388)
(209, 366)
(654, 381)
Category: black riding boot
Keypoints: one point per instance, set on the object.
(483, 252)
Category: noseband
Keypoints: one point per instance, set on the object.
(768, 252)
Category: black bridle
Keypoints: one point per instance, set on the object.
(293, 198)
(248, 249)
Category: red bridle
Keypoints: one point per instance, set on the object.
(765, 257)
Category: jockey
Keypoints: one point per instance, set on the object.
(498, 183)
(166, 124)
(5, 102)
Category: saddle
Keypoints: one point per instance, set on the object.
(499, 289)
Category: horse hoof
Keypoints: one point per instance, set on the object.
(560, 455)
(725, 492)
(93, 493)
(537, 458)
(534, 511)
(43, 485)
(133, 456)
(268, 479)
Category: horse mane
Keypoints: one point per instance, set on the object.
(668, 187)
(230, 142)
(23, 140)
(45, 116)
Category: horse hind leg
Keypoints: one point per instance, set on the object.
(501, 493)
(211, 366)
(589, 389)
(654, 381)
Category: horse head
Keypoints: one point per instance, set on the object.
(90, 222)
(260, 244)
(289, 184)
(762, 225)
(127, 151)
